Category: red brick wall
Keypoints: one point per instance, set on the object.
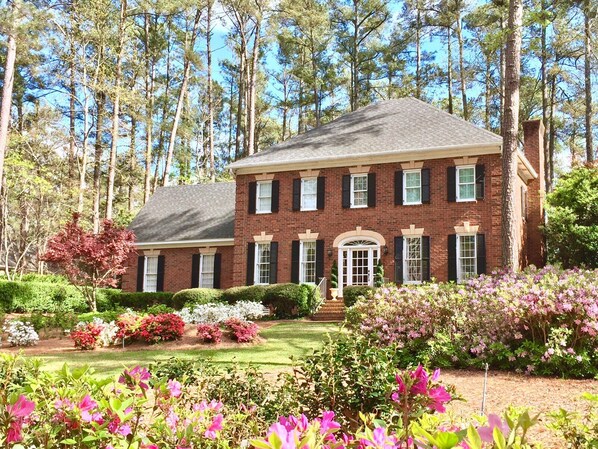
(177, 269)
(437, 218)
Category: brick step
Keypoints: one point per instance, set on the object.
(333, 318)
(333, 311)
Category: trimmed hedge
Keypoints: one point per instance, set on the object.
(288, 300)
(194, 296)
(351, 293)
(140, 300)
(253, 293)
(40, 297)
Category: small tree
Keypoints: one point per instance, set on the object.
(89, 260)
(379, 274)
(572, 228)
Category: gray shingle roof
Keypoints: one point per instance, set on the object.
(392, 126)
(192, 212)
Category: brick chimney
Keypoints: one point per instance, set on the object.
(533, 147)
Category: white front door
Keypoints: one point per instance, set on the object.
(356, 263)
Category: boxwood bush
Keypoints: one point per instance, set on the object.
(352, 293)
(288, 300)
(23, 297)
(194, 296)
(253, 293)
(139, 300)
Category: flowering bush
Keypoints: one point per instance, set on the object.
(164, 327)
(86, 335)
(209, 333)
(128, 325)
(108, 334)
(20, 334)
(543, 321)
(242, 331)
(215, 313)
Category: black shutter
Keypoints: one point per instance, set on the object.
(372, 190)
(452, 257)
(346, 191)
(480, 181)
(398, 260)
(321, 195)
(273, 262)
(251, 199)
(425, 185)
(481, 253)
(451, 184)
(250, 263)
(425, 258)
(195, 270)
(275, 195)
(140, 272)
(217, 269)
(398, 187)
(297, 194)
(295, 261)
(160, 282)
(319, 260)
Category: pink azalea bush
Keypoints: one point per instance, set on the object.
(209, 333)
(543, 321)
(242, 331)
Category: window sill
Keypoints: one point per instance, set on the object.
(258, 212)
(307, 210)
(466, 200)
(413, 204)
(359, 207)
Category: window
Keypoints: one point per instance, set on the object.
(466, 183)
(262, 263)
(359, 190)
(309, 190)
(412, 193)
(307, 263)
(264, 197)
(150, 278)
(524, 202)
(412, 261)
(466, 256)
(206, 271)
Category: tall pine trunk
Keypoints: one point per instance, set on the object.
(253, 89)
(9, 71)
(149, 109)
(462, 69)
(449, 69)
(590, 154)
(510, 129)
(97, 163)
(210, 94)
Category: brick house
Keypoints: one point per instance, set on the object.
(399, 182)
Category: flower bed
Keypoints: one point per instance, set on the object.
(542, 321)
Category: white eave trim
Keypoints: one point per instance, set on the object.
(524, 168)
(368, 159)
(185, 243)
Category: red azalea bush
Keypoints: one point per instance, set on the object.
(209, 333)
(86, 335)
(163, 327)
(242, 331)
(128, 325)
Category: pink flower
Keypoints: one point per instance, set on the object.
(380, 440)
(494, 421)
(439, 397)
(421, 384)
(174, 387)
(137, 375)
(172, 420)
(18, 412)
(327, 424)
(87, 404)
(215, 427)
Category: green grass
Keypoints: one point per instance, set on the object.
(282, 341)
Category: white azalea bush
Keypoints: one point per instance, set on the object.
(215, 313)
(20, 333)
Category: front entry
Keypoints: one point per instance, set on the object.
(356, 261)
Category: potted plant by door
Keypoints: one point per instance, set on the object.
(334, 281)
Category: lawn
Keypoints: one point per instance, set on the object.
(282, 341)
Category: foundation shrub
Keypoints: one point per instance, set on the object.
(140, 301)
(288, 300)
(195, 296)
(253, 293)
(352, 293)
(541, 321)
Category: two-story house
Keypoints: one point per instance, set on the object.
(398, 181)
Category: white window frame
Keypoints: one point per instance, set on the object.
(303, 263)
(256, 267)
(202, 258)
(405, 173)
(258, 196)
(303, 194)
(145, 273)
(458, 183)
(406, 261)
(353, 177)
(460, 277)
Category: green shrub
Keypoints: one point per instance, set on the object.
(288, 300)
(106, 316)
(46, 278)
(193, 296)
(23, 297)
(352, 293)
(140, 300)
(253, 293)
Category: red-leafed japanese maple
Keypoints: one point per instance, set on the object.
(91, 261)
